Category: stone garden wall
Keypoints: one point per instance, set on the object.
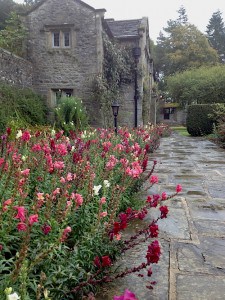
(15, 70)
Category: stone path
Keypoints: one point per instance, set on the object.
(192, 265)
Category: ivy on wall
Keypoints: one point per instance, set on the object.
(118, 69)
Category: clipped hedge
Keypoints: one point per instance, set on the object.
(199, 121)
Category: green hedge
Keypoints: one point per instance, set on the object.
(199, 121)
(21, 106)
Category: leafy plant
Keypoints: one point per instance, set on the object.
(70, 114)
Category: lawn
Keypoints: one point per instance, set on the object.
(181, 130)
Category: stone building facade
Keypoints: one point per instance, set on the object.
(64, 48)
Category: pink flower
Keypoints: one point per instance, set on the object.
(46, 229)
(69, 177)
(61, 149)
(164, 196)
(36, 148)
(21, 226)
(62, 180)
(77, 198)
(154, 179)
(103, 214)
(178, 188)
(33, 219)
(128, 295)
(25, 136)
(65, 233)
(20, 213)
(25, 172)
(59, 165)
(111, 163)
(103, 200)
(2, 160)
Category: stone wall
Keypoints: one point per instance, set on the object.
(61, 68)
(15, 70)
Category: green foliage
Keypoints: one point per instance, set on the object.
(70, 114)
(198, 86)
(6, 7)
(199, 121)
(12, 37)
(183, 47)
(20, 108)
(216, 33)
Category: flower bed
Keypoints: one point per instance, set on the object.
(61, 204)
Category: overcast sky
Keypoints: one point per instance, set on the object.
(159, 11)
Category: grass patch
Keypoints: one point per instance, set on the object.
(181, 130)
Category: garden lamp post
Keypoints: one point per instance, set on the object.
(115, 109)
(136, 54)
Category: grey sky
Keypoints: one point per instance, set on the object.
(160, 11)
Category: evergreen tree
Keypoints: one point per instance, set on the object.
(216, 34)
(182, 47)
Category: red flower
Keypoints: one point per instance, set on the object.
(1, 247)
(178, 188)
(21, 226)
(25, 136)
(46, 229)
(149, 272)
(164, 211)
(153, 253)
(65, 233)
(154, 230)
(164, 196)
(106, 261)
(97, 262)
(116, 227)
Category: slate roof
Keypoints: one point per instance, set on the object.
(124, 28)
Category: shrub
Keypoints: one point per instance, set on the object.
(199, 119)
(20, 108)
(71, 115)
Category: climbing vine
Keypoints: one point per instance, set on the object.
(117, 70)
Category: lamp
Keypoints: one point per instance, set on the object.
(115, 109)
(136, 54)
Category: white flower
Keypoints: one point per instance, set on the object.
(52, 132)
(73, 149)
(13, 296)
(19, 134)
(24, 158)
(106, 183)
(96, 189)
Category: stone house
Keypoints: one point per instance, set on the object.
(65, 47)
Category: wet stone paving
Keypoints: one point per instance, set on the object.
(192, 264)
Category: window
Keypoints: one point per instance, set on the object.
(60, 93)
(61, 39)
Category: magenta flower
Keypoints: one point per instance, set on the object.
(33, 219)
(154, 179)
(46, 229)
(25, 136)
(25, 172)
(178, 188)
(164, 196)
(164, 211)
(128, 295)
(21, 212)
(21, 226)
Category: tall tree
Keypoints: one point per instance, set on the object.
(183, 47)
(216, 34)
